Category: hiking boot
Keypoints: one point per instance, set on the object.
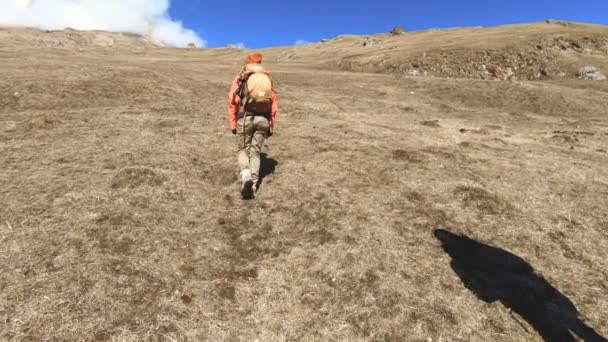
(246, 176)
(246, 183)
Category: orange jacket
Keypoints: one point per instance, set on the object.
(233, 106)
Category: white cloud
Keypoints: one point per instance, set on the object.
(301, 42)
(147, 17)
(240, 45)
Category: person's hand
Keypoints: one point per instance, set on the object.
(234, 131)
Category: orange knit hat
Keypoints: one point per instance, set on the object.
(254, 58)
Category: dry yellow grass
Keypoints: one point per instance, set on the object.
(393, 208)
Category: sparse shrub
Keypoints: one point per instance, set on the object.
(397, 30)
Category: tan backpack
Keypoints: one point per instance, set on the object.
(258, 89)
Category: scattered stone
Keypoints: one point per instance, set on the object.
(369, 41)
(591, 73)
(416, 72)
(503, 74)
(10, 126)
(412, 70)
(509, 74)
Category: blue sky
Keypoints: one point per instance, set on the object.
(283, 22)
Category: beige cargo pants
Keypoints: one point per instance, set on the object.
(250, 141)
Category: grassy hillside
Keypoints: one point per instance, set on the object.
(392, 208)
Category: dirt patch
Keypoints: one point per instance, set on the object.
(483, 201)
(133, 177)
(413, 157)
(430, 123)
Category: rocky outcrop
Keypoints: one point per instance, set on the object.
(534, 60)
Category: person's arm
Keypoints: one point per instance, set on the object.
(233, 104)
(275, 109)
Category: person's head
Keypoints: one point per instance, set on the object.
(254, 58)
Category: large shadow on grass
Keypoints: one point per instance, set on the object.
(267, 166)
(492, 274)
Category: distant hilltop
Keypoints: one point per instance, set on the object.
(70, 38)
(550, 49)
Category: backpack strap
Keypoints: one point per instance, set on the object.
(241, 91)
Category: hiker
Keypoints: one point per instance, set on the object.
(252, 108)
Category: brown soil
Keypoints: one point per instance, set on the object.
(393, 208)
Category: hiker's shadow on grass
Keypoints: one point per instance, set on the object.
(492, 274)
(267, 167)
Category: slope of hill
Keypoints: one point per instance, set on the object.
(19, 38)
(528, 52)
(392, 208)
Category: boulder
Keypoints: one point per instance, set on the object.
(397, 30)
(369, 41)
